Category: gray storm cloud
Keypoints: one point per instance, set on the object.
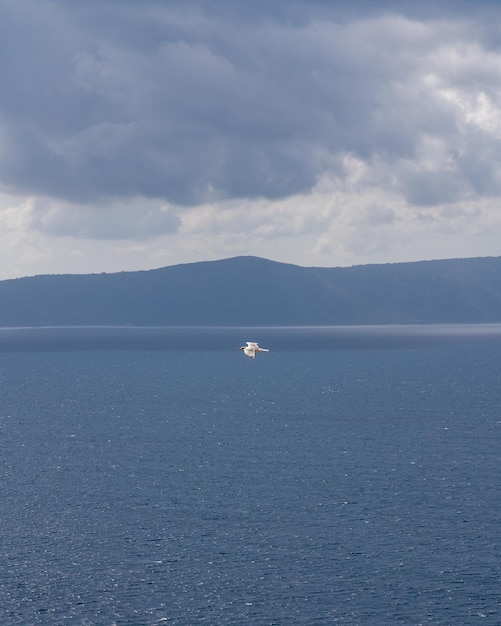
(192, 102)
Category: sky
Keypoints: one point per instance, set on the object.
(137, 134)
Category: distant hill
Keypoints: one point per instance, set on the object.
(250, 291)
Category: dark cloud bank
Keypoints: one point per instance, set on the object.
(196, 101)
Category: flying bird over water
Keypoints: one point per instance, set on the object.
(251, 348)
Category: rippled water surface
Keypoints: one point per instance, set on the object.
(161, 477)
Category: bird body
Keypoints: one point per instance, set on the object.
(251, 348)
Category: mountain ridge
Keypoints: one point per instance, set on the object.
(253, 291)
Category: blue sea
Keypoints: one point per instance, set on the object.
(160, 477)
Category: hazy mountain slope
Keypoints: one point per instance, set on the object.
(253, 291)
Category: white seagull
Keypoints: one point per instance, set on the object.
(251, 348)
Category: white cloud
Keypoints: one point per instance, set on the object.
(132, 219)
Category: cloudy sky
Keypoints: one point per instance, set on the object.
(141, 133)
